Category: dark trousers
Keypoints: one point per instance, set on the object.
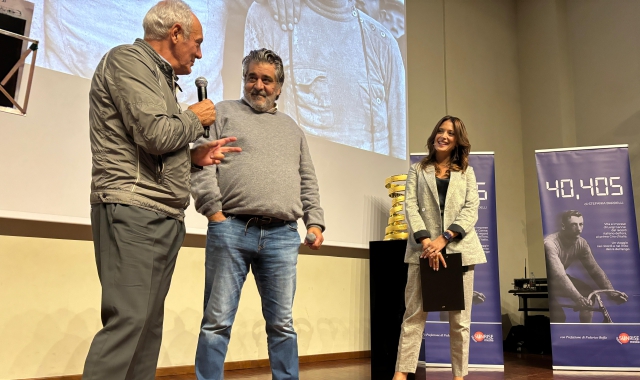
(136, 252)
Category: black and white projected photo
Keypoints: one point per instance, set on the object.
(344, 59)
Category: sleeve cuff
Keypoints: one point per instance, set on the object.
(422, 234)
(456, 228)
(210, 208)
(195, 122)
(321, 227)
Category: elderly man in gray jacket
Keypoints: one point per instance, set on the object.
(253, 201)
(140, 184)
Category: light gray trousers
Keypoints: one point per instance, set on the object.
(414, 320)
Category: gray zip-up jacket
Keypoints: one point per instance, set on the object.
(139, 135)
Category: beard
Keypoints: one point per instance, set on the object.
(268, 104)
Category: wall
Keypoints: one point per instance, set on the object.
(483, 90)
(606, 64)
(548, 115)
(426, 87)
(50, 297)
(580, 86)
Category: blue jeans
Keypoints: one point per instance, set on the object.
(271, 251)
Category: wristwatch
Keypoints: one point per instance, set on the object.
(447, 236)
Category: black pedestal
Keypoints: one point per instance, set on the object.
(387, 280)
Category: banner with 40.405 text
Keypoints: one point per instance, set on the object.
(592, 257)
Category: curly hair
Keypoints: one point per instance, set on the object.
(264, 56)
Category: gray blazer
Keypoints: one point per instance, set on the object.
(460, 213)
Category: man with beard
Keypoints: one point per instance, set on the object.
(562, 249)
(253, 202)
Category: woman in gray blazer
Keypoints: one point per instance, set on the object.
(442, 210)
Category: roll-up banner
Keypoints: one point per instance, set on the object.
(486, 322)
(591, 251)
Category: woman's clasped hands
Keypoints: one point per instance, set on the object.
(431, 249)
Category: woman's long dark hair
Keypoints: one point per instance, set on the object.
(459, 159)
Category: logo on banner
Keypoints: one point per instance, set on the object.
(479, 336)
(625, 338)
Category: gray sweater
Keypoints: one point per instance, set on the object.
(272, 176)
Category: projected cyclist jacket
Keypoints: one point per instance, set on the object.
(345, 76)
(139, 135)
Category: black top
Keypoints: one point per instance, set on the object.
(443, 186)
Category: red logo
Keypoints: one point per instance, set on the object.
(623, 338)
(479, 336)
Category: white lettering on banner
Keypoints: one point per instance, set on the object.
(430, 335)
(614, 230)
(602, 203)
(598, 186)
(482, 194)
(483, 233)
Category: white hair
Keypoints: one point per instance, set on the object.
(162, 16)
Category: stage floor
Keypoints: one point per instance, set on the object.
(517, 366)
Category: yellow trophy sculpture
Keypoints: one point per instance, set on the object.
(397, 226)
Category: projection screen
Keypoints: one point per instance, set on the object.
(345, 86)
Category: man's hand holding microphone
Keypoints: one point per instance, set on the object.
(212, 152)
(205, 110)
(314, 238)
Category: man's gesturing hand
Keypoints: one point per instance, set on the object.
(212, 153)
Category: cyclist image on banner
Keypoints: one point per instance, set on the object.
(565, 249)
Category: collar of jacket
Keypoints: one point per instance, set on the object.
(338, 10)
(162, 63)
(429, 175)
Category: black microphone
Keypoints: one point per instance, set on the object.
(201, 84)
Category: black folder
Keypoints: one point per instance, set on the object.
(442, 290)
